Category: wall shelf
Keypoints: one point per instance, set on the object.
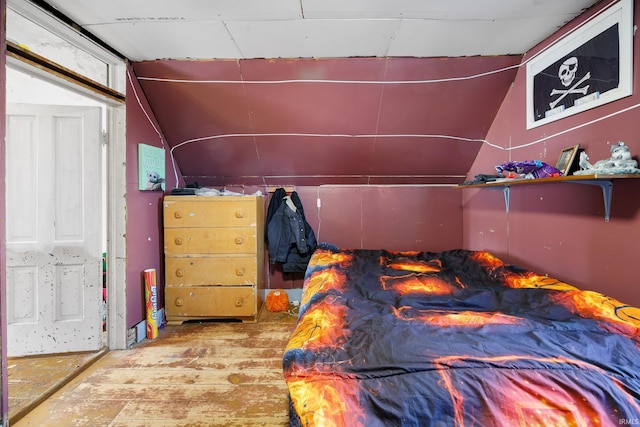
(604, 181)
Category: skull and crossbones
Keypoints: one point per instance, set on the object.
(567, 74)
(567, 71)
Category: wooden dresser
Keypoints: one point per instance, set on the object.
(214, 257)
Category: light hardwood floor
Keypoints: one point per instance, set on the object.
(195, 374)
(33, 379)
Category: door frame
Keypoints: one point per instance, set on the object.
(116, 172)
(116, 190)
(115, 209)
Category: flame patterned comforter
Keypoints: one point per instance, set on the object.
(457, 338)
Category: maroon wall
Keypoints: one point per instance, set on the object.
(426, 218)
(144, 208)
(559, 229)
(359, 121)
(414, 217)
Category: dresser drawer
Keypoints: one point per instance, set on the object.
(231, 240)
(200, 271)
(210, 301)
(210, 211)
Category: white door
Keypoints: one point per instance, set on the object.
(54, 260)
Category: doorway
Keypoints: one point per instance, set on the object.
(56, 232)
(50, 64)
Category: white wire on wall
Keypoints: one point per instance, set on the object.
(366, 82)
(423, 136)
(320, 135)
(395, 82)
(135, 93)
(383, 82)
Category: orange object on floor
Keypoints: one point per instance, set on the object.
(277, 301)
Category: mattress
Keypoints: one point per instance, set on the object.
(456, 338)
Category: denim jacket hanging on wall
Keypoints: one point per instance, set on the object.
(289, 237)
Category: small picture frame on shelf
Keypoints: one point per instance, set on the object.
(566, 159)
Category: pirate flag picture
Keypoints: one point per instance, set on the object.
(582, 75)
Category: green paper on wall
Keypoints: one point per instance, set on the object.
(151, 168)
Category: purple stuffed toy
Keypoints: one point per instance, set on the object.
(529, 169)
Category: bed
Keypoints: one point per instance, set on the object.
(456, 338)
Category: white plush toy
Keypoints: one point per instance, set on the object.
(619, 162)
(154, 181)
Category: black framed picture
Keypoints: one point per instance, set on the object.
(590, 66)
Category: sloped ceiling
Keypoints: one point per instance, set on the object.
(319, 121)
(309, 92)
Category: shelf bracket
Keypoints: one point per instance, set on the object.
(607, 190)
(606, 186)
(506, 192)
(507, 197)
(604, 181)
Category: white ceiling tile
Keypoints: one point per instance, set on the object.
(313, 38)
(87, 12)
(424, 38)
(140, 41)
(438, 9)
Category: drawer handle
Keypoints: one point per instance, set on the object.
(239, 271)
(178, 240)
(179, 273)
(240, 302)
(177, 214)
(239, 214)
(179, 302)
(239, 240)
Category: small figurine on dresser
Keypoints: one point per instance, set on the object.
(620, 162)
